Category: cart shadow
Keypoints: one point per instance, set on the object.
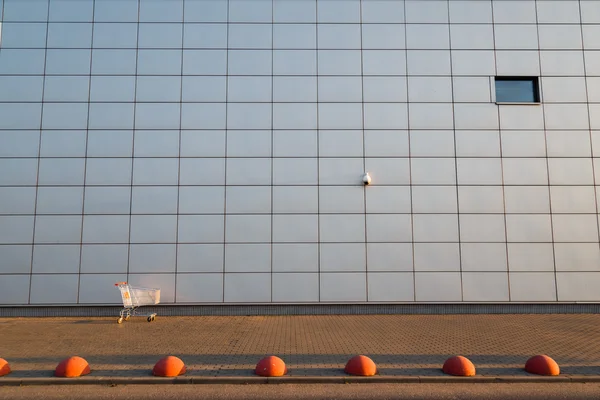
(95, 322)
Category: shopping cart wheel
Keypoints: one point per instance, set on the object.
(151, 318)
(120, 320)
(127, 317)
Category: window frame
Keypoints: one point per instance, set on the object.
(536, 89)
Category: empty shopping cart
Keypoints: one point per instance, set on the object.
(134, 297)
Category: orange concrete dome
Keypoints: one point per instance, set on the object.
(4, 367)
(542, 365)
(72, 367)
(271, 366)
(459, 366)
(169, 366)
(361, 365)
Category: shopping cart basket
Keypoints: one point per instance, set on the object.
(134, 297)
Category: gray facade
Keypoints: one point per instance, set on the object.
(216, 149)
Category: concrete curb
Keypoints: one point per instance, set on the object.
(204, 380)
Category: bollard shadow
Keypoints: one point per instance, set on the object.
(410, 371)
(292, 371)
(242, 365)
(95, 322)
(580, 370)
(501, 371)
(309, 359)
(33, 373)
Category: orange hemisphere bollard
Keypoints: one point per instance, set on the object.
(542, 365)
(459, 366)
(4, 367)
(361, 365)
(72, 367)
(169, 366)
(271, 366)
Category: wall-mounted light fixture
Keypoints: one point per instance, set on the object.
(366, 178)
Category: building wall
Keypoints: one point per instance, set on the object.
(215, 149)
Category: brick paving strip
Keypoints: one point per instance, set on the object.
(225, 349)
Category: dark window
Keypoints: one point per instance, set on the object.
(517, 89)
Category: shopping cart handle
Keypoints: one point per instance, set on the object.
(120, 283)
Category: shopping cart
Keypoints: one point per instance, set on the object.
(134, 297)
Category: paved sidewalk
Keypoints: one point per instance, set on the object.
(404, 347)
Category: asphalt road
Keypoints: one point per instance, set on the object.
(436, 391)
